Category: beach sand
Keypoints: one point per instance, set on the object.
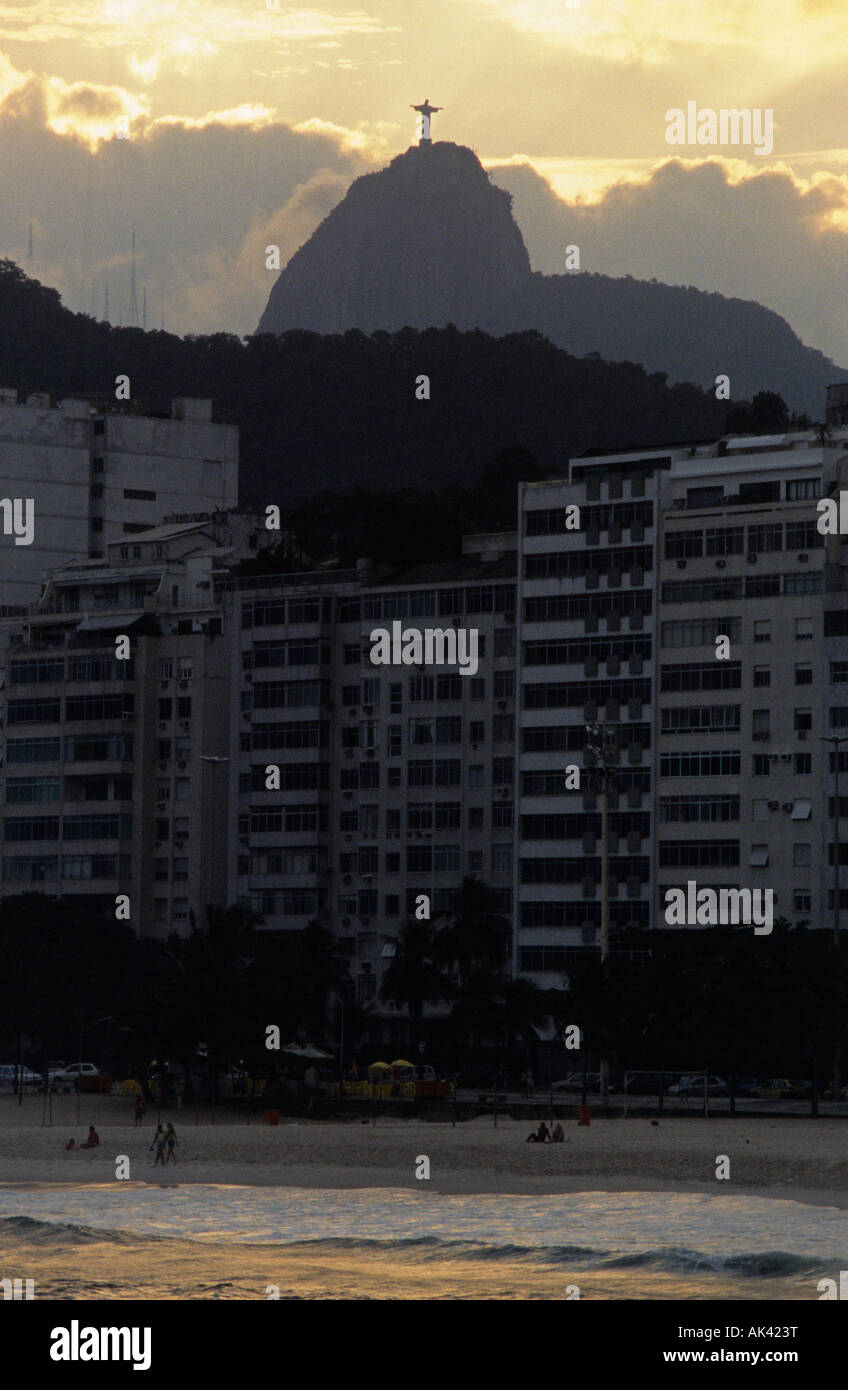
(802, 1159)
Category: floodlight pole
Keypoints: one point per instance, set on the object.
(836, 740)
(601, 740)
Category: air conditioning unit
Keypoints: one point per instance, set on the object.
(773, 805)
(182, 763)
(244, 840)
(161, 805)
(185, 723)
(802, 559)
(178, 844)
(183, 685)
(751, 557)
(802, 734)
(163, 685)
(163, 723)
(721, 564)
(509, 617)
(369, 752)
(681, 564)
(787, 805)
(368, 709)
(456, 622)
(761, 738)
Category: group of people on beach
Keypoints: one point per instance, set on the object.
(91, 1142)
(543, 1135)
(162, 1139)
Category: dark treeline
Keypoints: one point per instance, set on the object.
(338, 413)
(72, 983)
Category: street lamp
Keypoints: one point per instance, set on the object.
(836, 740)
(601, 756)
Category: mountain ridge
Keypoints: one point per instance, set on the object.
(430, 240)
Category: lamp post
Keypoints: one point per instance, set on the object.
(835, 740)
(601, 755)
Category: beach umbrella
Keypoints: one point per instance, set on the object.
(379, 1066)
(401, 1063)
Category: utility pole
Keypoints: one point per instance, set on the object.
(601, 754)
(835, 740)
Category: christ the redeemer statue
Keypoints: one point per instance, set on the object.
(426, 112)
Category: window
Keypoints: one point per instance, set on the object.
(761, 765)
(802, 535)
(805, 583)
(504, 641)
(701, 764)
(803, 763)
(449, 686)
(839, 672)
(762, 675)
(803, 720)
(700, 719)
(393, 776)
(681, 545)
(803, 629)
(700, 632)
(395, 697)
(803, 675)
(698, 807)
(708, 675)
(475, 861)
(762, 630)
(478, 688)
(760, 721)
(725, 540)
(504, 685)
(446, 859)
(503, 728)
(475, 775)
(802, 856)
(502, 815)
(802, 489)
(759, 856)
(698, 853)
(352, 654)
(802, 900)
(503, 771)
(477, 731)
(392, 905)
(475, 818)
(762, 539)
(501, 859)
(165, 707)
(184, 707)
(760, 810)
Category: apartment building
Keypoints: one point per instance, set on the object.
(697, 610)
(394, 781)
(113, 777)
(586, 653)
(97, 476)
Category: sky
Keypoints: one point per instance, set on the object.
(247, 122)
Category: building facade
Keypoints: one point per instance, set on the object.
(97, 476)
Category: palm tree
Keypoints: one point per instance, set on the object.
(413, 979)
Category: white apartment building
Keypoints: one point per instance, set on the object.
(98, 476)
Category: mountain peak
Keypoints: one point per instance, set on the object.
(426, 241)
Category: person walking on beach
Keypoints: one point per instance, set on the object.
(139, 1110)
(171, 1137)
(159, 1145)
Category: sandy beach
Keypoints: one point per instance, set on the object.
(802, 1159)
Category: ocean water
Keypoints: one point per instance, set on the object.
(138, 1240)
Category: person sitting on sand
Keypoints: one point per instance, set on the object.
(558, 1135)
(71, 1144)
(541, 1136)
(93, 1139)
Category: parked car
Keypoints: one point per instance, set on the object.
(746, 1085)
(574, 1082)
(694, 1086)
(783, 1088)
(68, 1077)
(27, 1079)
(647, 1083)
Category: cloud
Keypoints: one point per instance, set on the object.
(773, 236)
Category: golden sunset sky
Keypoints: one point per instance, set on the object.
(248, 123)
